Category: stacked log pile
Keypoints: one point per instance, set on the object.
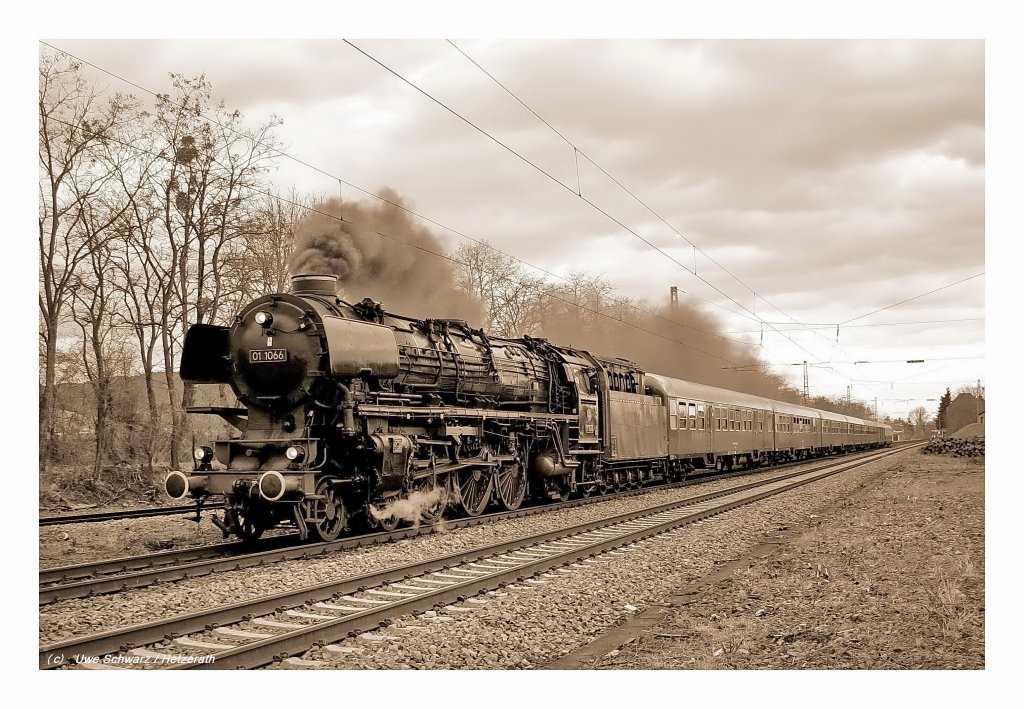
(970, 447)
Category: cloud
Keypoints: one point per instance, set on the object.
(830, 176)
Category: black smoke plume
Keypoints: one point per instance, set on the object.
(374, 254)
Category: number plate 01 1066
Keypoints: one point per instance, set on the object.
(265, 356)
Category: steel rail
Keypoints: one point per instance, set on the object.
(137, 513)
(265, 651)
(117, 575)
(125, 639)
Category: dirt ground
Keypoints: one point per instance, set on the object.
(892, 578)
(66, 544)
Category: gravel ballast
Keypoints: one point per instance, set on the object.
(65, 619)
(533, 623)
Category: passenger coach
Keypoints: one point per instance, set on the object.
(709, 427)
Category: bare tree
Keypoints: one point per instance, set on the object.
(73, 123)
(214, 165)
(141, 262)
(259, 263)
(974, 390)
(920, 419)
(484, 275)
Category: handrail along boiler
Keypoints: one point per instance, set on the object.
(345, 410)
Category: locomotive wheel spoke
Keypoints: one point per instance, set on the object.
(474, 490)
(389, 524)
(386, 524)
(511, 486)
(332, 509)
(434, 509)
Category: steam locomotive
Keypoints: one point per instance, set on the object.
(352, 416)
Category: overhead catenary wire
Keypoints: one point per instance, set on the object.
(280, 153)
(640, 201)
(438, 254)
(368, 192)
(596, 207)
(829, 326)
(907, 300)
(577, 152)
(545, 173)
(570, 190)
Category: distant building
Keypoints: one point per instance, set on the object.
(963, 410)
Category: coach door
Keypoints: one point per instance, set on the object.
(588, 414)
(702, 431)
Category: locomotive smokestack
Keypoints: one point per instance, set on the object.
(315, 284)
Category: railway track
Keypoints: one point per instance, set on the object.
(115, 575)
(126, 573)
(272, 628)
(116, 515)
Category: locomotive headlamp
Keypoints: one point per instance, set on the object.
(203, 454)
(295, 453)
(264, 318)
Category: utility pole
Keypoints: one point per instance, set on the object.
(807, 388)
(977, 403)
(673, 299)
(849, 393)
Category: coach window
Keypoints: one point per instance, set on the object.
(700, 416)
(672, 406)
(693, 417)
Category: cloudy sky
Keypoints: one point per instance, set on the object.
(831, 178)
